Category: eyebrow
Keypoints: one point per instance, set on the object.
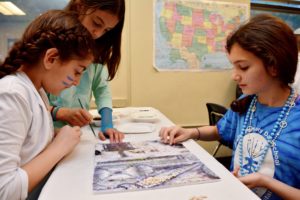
(239, 61)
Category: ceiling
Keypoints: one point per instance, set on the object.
(32, 8)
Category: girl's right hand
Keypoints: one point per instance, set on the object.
(66, 139)
(74, 116)
(174, 134)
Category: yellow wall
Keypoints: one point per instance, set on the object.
(181, 96)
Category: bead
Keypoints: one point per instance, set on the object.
(280, 124)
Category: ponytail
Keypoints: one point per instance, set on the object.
(241, 105)
(12, 62)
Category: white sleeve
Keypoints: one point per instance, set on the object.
(15, 121)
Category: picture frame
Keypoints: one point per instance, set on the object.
(289, 12)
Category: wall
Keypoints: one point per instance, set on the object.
(9, 30)
(179, 95)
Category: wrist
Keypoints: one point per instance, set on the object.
(59, 114)
(54, 111)
(198, 134)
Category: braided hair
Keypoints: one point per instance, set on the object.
(53, 29)
(109, 45)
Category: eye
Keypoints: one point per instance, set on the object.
(99, 25)
(78, 73)
(243, 67)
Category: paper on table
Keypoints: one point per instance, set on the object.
(136, 127)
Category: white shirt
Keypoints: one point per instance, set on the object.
(25, 130)
(296, 84)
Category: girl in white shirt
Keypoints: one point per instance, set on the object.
(52, 54)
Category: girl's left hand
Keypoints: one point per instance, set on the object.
(251, 180)
(114, 135)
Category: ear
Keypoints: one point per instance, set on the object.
(273, 71)
(51, 58)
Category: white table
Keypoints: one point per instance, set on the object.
(72, 178)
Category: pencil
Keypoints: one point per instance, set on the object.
(89, 123)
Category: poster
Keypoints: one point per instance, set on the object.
(190, 35)
(121, 167)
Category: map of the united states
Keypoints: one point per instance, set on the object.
(191, 35)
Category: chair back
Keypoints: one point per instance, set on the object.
(215, 112)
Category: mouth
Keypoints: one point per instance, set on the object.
(242, 85)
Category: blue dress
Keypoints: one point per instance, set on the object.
(282, 161)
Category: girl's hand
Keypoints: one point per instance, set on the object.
(113, 134)
(235, 171)
(66, 139)
(74, 116)
(174, 134)
(252, 180)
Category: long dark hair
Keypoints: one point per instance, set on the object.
(271, 40)
(109, 45)
(53, 29)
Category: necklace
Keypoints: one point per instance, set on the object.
(280, 124)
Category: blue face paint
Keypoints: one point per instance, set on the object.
(66, 84)
(70, 78)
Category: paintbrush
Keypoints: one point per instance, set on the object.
(89, 123)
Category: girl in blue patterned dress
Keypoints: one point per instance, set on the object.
(262, 126)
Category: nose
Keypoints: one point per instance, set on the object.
(97, 33)
(76, 81)
(235, 76)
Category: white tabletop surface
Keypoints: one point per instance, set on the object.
(73, 176)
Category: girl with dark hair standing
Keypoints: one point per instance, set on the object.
(263, 125)
(52, 54)
(104, 19)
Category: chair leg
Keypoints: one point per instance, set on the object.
(216, 149)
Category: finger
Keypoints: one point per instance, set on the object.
(116, 135)
(77, 122)
(120, 136)
(112, 137)
(179, 139)
(101, 136)
(235, 171)
(82, 116)
(161, 132)
(245, 181)
(166, 135)
(172, 135)
(77, 130)
(86, 115)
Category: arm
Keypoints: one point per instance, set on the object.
(13, 179)
(23, 165)
(259, 180)
(107, 127)
(281, 189)
(103, 100)
(176, 134)
(63, 143)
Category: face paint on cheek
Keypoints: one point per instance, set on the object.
(70, 83)
(70, 78)
(66, 84)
